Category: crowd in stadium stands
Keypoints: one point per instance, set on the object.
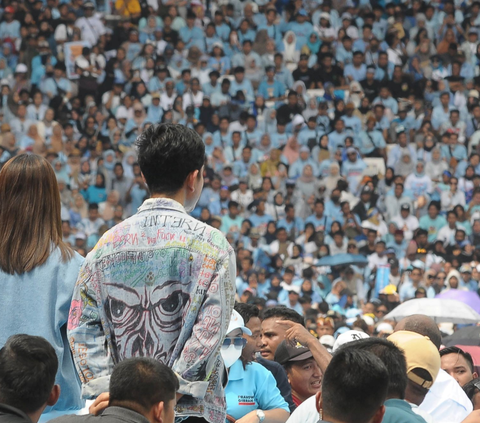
(332, 129)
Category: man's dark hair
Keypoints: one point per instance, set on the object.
(393, 359)
(471, 388)
(283, 313)
(142, 381)
(354, 386)
(459, 351)
(167, 154)
(247, 311)
(28, 365)
(93, 206)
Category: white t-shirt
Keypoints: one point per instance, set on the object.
(306, 412)
(446, 402)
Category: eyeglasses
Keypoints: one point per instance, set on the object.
(453, 183)
(431, 277)
(382, 311)
(238, 343)
(440, 277)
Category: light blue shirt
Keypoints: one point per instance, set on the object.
(252, 388)
(37, 303)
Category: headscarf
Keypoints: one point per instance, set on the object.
(289, 52)
(402, 168)
(292, 150)
(304, 178)
(315, 46)
(106, 164)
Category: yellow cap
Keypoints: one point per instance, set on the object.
(389, 290)
(420, 353)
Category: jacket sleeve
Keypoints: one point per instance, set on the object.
(86, 337)
(197, 359)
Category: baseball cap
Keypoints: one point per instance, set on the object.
(465, 268)
(286, 353)
(420, 353)
(405, 207)
(390, 250)
(327, 341)
(9, 9)
(80, 235)
(88, 5)
(156, 95)
(304, 149)
(21, 68)
(389, 290)
(302, 12)
(474, 94)
(236, 322)
(351, 150)
(298, 120)
(349, 336)
(325, 15)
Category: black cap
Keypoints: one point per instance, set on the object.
(286, 353)
(405, 207)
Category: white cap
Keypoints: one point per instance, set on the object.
(327, 341)
(325, 15)
(346, 337)
(80, 235)
(298, 120)
(236, 322)
(21, 68)
(122, 113)
(368, 320)
(384, 327)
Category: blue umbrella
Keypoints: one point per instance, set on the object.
(342, 260)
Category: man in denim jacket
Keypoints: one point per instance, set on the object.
(160, 284)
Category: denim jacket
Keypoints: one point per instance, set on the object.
(160, 284)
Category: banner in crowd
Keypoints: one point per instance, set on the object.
(72, 51)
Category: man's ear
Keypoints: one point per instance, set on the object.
(157, 411)
(54, 395)
(475, 375)
(191, 178)
(319, 401)
(378, 417)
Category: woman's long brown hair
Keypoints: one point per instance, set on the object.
(30, 219)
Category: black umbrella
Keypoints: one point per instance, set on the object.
(466, 336)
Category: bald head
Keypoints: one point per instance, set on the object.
(423, 325)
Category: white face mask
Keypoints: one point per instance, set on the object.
(230, 355)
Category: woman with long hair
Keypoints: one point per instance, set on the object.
(37, 269)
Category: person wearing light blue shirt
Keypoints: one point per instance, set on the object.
(271, 88)
(387, 100)
(336, 139)
(351, 122)
(155, 111)
(280, 137)
(353, 168)
(222, 30)
(441, 113)
(453, 149)
(51, 86)
(252, 387)
(301, 28)
(310, 134)
(292, 224)
(344, 55)
(296, 169)
(192, 35)
(357, 70)
(282, 74)
(242, 84)
(10, 29)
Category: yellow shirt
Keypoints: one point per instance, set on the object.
(131, 7)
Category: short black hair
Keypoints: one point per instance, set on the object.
(167, 154)
(393, 359)
(28, 365)
(283, 313)
(247, 311)
(459, 351)
(93, 206)
(142, 381)
(354, 386)
(471, 389)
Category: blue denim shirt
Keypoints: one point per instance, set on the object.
(37, 303)
(159, 284)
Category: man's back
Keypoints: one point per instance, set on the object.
(159, 285)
